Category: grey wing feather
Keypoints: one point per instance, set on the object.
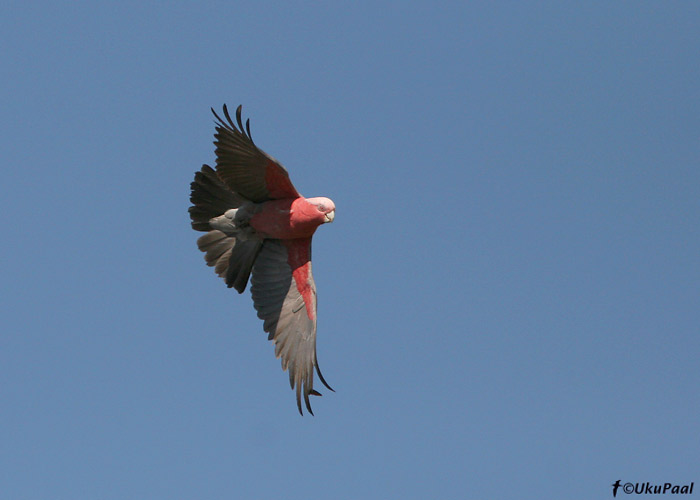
(282, 308)
(231, 258)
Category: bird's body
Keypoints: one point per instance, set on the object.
(257, 222)
(290, 219)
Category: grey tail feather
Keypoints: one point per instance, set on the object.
(210, 198)
(240, 264)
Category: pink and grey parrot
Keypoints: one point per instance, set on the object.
(257, 222)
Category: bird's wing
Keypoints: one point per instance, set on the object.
(243, 167)
(284, 294)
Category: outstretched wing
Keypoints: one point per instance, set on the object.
(243, 167)
(284, 294)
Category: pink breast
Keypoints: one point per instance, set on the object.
(286, 219)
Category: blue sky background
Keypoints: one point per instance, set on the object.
(509, 299)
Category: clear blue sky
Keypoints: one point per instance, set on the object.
(509, 298)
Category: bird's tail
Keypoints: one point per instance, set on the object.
(210, 197)
(232, 258)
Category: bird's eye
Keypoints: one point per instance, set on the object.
(322, 208)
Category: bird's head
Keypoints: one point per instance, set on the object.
(324, 206)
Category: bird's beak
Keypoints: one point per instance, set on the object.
(329, 216)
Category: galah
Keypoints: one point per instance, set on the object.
(257, 222)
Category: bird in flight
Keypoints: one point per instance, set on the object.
(256, 222)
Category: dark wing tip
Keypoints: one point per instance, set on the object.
(228, 123)
(238, 116)
(247, 129)
(308, 404)
(218, 118)
(320, 376)
(228, 117)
